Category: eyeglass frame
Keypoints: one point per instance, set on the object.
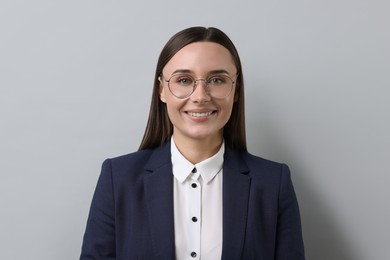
(196, 82)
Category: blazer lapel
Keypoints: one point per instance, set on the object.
(236, 185)
(158, 184)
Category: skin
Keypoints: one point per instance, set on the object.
(198, 138)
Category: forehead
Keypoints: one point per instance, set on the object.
(201, 57)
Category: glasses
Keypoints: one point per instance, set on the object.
(183, 85)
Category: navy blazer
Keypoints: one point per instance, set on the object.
(132, 215)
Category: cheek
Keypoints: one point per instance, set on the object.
(173, 106)
(229, 106)
(171, 112)
(228, 111)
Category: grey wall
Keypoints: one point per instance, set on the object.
(76, 79)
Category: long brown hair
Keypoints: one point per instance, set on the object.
(159, 128)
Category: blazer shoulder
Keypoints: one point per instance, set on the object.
(254, 161)
(265, 169)
(134, 157)
(147, 159)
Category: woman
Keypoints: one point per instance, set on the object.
(192, 191)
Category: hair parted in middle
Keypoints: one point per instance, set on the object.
(159, 128)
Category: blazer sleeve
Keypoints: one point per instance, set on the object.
(289, 231)
(99, 237)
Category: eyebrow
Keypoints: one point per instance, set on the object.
(221, 71)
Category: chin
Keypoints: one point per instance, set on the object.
(201, 135)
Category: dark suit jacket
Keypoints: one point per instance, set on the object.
(131, 215)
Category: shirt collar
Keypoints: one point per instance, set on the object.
(208, 169)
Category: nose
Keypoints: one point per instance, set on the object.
(200, 93)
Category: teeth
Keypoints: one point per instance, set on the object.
(203, 114)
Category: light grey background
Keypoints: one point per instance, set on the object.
(76, 80)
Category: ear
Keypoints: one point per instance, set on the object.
(162, 91)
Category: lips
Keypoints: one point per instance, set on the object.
(200, 114)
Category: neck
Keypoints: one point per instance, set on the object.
(196, 151)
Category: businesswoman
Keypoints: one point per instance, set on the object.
(192, 191)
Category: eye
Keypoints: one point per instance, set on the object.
(217, 80)
(182, 80)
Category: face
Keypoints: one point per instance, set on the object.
(199, 116)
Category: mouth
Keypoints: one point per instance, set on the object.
(200, 114)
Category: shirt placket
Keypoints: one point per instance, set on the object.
(194, 215)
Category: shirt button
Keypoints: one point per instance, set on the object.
(194, 170)
(193, 254)
(194, 219)
(194, 185)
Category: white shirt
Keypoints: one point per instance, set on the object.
(197, 206)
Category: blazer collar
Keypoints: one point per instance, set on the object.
(159, 197)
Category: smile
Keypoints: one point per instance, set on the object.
(202, 114)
